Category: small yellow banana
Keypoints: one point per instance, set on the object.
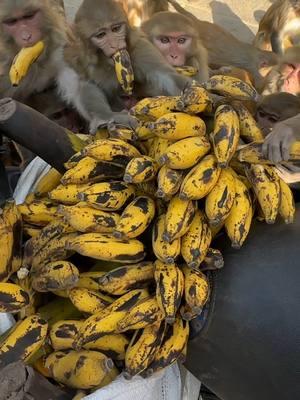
(67, 194)
(89, 280)
(12, 298)
(140, 169)
(231, 86)
(113, 346)
(158, 147)
(39, 212)
(74, 160)
(187, 70)
(194, 100)
(152, 108)
(168, 182)
(164, 251)
(63, 333)
(88, 301)
(287, 208)
(47, 183)
(143, 131)
(249, 130)
(196, 290)
(124, 70)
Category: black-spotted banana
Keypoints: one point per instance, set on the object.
(226, 134)
(59, 275)
(152, 108)
(108, 196)
(231, 86)
(88, 301)
(266, 185)
(89, 280)
(39, 212)
(136, 218)
(86, 219)
(169, 289)
(63, 333)
(143, 131)
(219, 201)
(185, 153)
(140, 169)
(168, 182)
(12, 298)
(47, 183)
(113, 346)
(158, 147)
(196, 242)
(287, 208)
(179, 216)
(249, 130)
(164, 251)
(128, 277)
(201, 179)
(74, 160)
(187, 70)
(196, 289)
(23, 61)
(194, 100)
(68, 194)
(118, 131)
(187, 314)
(30, 231)
(24, 340)
(124, 70)
(238, 222)
(107, 248)
(213, 260)
(142, 349)
(83, 369)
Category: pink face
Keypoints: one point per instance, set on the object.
(291, 75)
(24, 27)
(174, 46)
(111, 39)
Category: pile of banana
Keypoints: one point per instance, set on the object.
(120, 245)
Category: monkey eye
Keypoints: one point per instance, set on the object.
(10, 22)
(116, 28)
(100, 35)
(181, 40)
(164, 39)
(30, 15)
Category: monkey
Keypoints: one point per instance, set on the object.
(22, 24)
(88, 80)
(176, 38)
(139, 11)
(280, 27)
(224, 49)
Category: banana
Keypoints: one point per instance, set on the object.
(187, 314)
(201, 179)
(249, 130)
(158, 147)
(196, 242)
(253, 154)
(86, 219)
(179, 216)
(219, 201)
(196, 289)
(118, 131)
(140, 169)
(176, 126)
(74, 160)
(12, 298)
(39, 212)
(146, 312)
(152, 108)
(143, 131)
(194, 100)
(107, 196)
(142, 348)
(59, 275)
(124, 70)
(164, 251)
(24, 340)
(231, 86)
(287, 208)
(7, 240)
(88, 301)
(169, 289)
(238, 222)
(113, 150)
(89, 280)
(185, 153)
(136, 218)
(68, 194)
(83, 369)
(187, 70)
(23, 61)
(89, 170)
(107, 248)
(168, 182)
(113, 346)
(63, 333)
(266, 185)
(30, 231)
(47, 183)
(213, 260)
(226, 134)
(128, 277)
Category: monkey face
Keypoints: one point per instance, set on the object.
(174, 47)
(291, 78)
(110, 39)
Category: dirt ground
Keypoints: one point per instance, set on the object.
(240, 17)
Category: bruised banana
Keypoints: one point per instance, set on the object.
(187, 70)
(88, 301)
(143, 131)
(23, 61)
(152, 108)
(63, 333)
(47, 183)
(176, 126)
(249, 130)
(123, 279)
(201, 179)
(158, 147)
(12, 298)
(164, 251)
(140, 169)
(213, 260)
(89, 280)
(23, 340)
(187, 314)
(231, 86)
(112, 345)
(196, 242)
(185, 153)
(39, 212)
(169, 289)
(74, 160)
(67, 194)
(226, 134)
(194, 100)
(196, 290)
(136, 218)
(287, 208)
(168, 182)
(124, 70)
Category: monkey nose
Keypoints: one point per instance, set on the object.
(26, 37)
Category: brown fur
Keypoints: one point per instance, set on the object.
(139, 11)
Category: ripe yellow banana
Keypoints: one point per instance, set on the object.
(12, 298)
(187, 70)
(47, 183)
(107, 248)
(168, 182)
(196, 242)
(201, 179)
(39, 212)
(169, 289)
(164, 251)
(88, 301)
(124, 70)
(196, 289)
(143, 131)
(179, 216)
(194, 100)
(74, 160)
(30, 231)
(107, 196)
(158, 147)
(24, 340)
(231, 86)
(68, 194)
(213, 260)
(140, 169)
(113, 346)
(176, 126)
(136, 218)
(185, 153)
(152, 108)
(63, 333)
(249, 130)
(219, 201)
(89, 280)
(287, 208)
(23, 61)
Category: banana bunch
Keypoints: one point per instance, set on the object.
(124, 70)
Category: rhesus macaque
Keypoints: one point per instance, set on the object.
(226, 50)
(22, 24)
(139, 11)
(285, 77)
(89, 80)
(279, 27)
(178, 41)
